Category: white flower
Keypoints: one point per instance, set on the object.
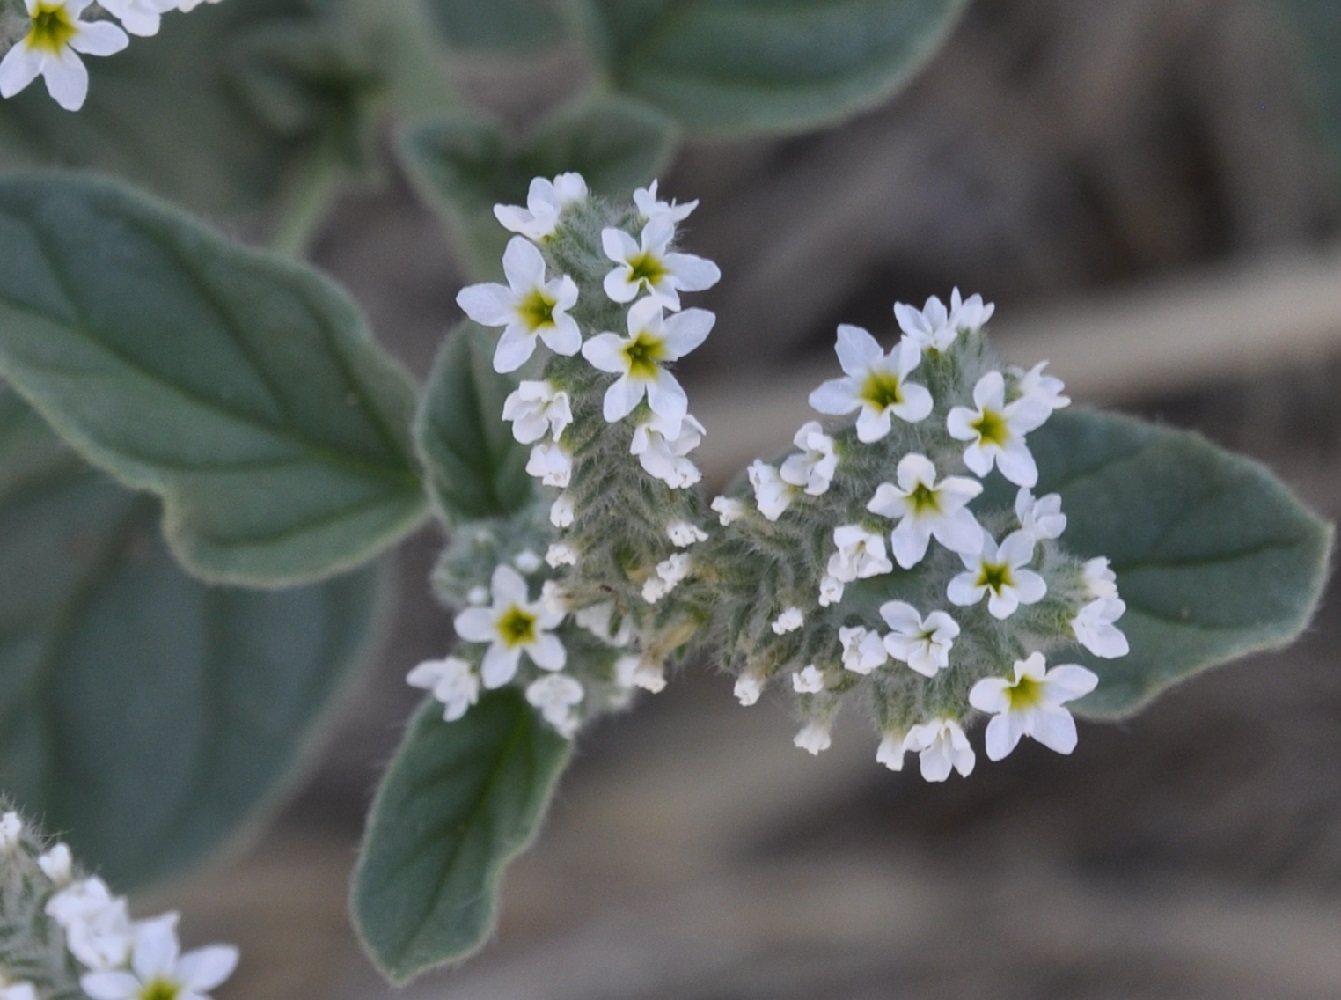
(536, 408)
(512, 625)
(999, 573)
(1042, 518)
(527, 561)
(598, 619)
(863, 650)
(925, 508)
(545, 202)
(1043, 391)
(158, 972)
(929, 329)
(526, 307)
(477, 595)
(814, 467)
(1100, 580)
(830, 590)
(551, 464)
(748, 688)
(860, 554)
(554, 696)
(941, 745)
(139, 17)
(56, 864)
(1031, 705)
(51, 47)
(814, 737)
(650, 208)
(634, 671)
(772, 495)
(653, 339)
(669, 573)
(662, 447)
(922, 643)
(683, 534)
(788, 621)
(995, 431)
(876, 384)
(890, 752)
(561, 554)
(10, 990)
(11, 828)
(728, 509)
(97, 926)
(452, 681)
(808, 680)
(1093, 627)
(562, 511)
(968, 316)
(649, 266)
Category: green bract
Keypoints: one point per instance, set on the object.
(458, 802)
(241, 387)
(144, 714)
(762, 65)
(1214, 557)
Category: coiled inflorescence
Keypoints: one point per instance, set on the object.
(897, 557)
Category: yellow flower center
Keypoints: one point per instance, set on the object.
(647, 268)
(923, 499)
(159, 989)
(516, 627)
(52, 28)
(642, 354)
(1024, 693)
(537, 309)
(994, 576)
(881, 390)
(991, 428)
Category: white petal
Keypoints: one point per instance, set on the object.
(686, 331)
(1029, 586)
(499, 665)
(514, 349)
(155, 947)
(99, 38)
(622, 397)
(667, 398)
(565, 338)
(523, 265)
(1068, 682)
(693, 274)
(962, 590)
(871, 425)
(548, 653)
(19, 68)
(1055, 729)
(836, 397)
(205, 968)
(1003, 736)
(605, 352)
(857, 351)
(618, 245)
(959, 532)
(909, 542)
(67, 79)
(489, 304)
(475, 625)
(619, 287)
(901, 617)
(110, 985)
(1017, 464)
(989, 695)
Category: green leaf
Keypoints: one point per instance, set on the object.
(1214, 557)
(464, 165)
(144, 715)
(476, 469)
(240, 386)
(459, 801)
(177, 112)
(1315, 28)
(734, 66)
(498, 25)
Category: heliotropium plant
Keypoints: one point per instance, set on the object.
(220, 450)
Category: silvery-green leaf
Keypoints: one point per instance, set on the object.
(504, 25)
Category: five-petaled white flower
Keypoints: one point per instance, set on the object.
(537, 408)
(562, 511)
(1030, 704)
(1094, 629)
(51, 50)
(940, 745)
(968, 315)
(831, 590)
(922, 643)
(748, 688)
(772, 495)
(1100, 580)
(808, 680)
(653, 340)
(554, 696)
(728, 509)
(876, 384)
(551, 464)
(97, 924)
(995, 431)
(139, 17)
(650, 207)
(545, 202)
(683, 534)
(637, 672)
(926, 508)
(789, 620)
(813, 468)
(1000, 574)
(648, 265)
(57, 864)
(930, 327)
(526, 307)
(1042, 517)
(157, 969)
(663, 448)
(863, 649)
(669, 573)
(512, 625)
(561, 554)
(1043, 391)
(814, 737)
(860, 553)
(452, 681)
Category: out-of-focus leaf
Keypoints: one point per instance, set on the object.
(502, 25)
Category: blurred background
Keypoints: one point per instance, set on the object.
(1143, 189)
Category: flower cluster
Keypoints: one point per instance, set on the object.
(57, 32)
(64, 931)
(591, 318)
(884, 561)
